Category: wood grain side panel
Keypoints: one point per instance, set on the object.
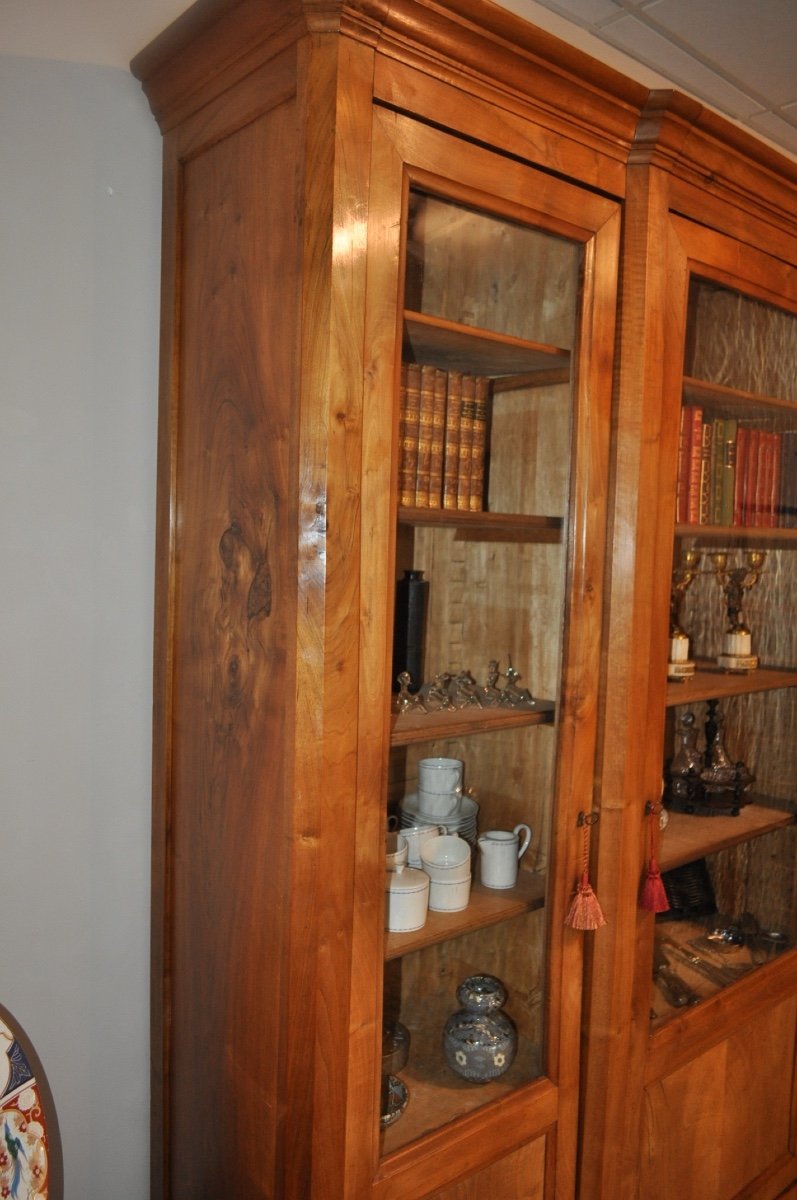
(235, 565)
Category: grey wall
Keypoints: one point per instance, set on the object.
(79, 247)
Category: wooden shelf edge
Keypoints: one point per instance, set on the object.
(761, 535)
(711, 683)
(523, 527)
(488, 906)
(720, 394)
(687, 837)
(408, 728)
(446, 328)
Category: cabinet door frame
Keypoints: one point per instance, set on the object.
(666, 240)
(404, 153)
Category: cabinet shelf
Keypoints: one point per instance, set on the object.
(487, 906)
(511, 527)
(455, 347)
(408, 728)
(438, 1096)
(717, 395)
(711, 683)
(687, 838)
(730, 535)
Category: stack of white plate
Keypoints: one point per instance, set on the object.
(464, 821)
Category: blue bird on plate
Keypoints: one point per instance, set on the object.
(15, 1149)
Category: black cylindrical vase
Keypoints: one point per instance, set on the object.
(409, 628)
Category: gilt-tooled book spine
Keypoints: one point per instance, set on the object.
(695, 437)
(438, 439)
(728, 471)
(740, 474)
(776, 439)
(425, 418)
(466, 441)
(705, 473)
(717, 460)
(788, 480)
(451, 444)
(751, 476)
(408, 432)
(481, 422)
(766, 471)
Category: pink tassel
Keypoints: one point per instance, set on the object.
(652, 895)
(585, 912)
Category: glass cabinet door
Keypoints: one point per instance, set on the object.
(731, 751)
(492, 624)
(490, 314)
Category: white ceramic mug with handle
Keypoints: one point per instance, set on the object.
(500, 852)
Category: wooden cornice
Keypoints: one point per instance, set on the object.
(518, 67)
(212, 45)
(706, 155)
(217, 41)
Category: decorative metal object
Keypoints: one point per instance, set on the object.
(680, 666)
(395, 1098)
(465, 691)
(480, 1041)
(737, 653)
(447, 691)
(709, 782)
(395, 1052)
(512, 694)
(404, 701)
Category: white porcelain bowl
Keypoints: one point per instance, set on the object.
(449, 897)
(447, 858)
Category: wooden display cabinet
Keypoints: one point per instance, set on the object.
(701, 1093)
(348, 188)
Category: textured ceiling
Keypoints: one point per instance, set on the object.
(738, 56)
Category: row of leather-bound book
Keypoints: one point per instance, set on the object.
(734, 472)
(443, 436)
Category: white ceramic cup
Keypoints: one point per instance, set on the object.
(441, 775)
(406, 899)
(417, 836)
(446, 859)
(439, 804)
(500, 852)
(396, 850)
(449, 897)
